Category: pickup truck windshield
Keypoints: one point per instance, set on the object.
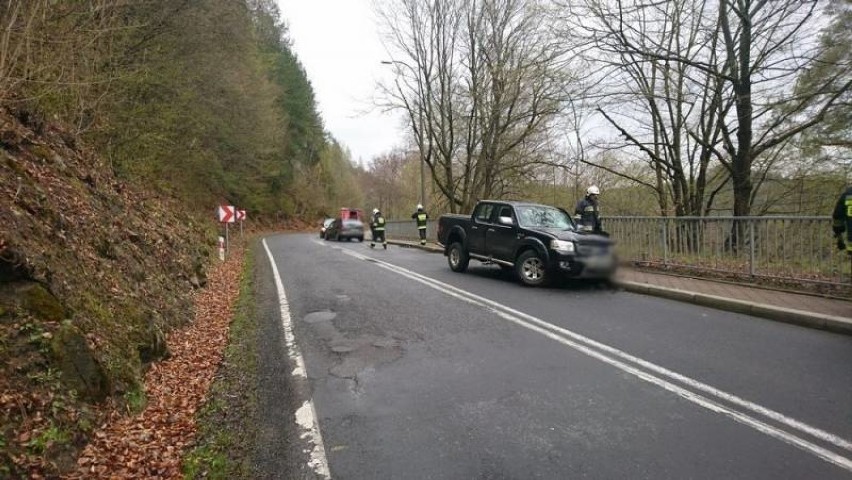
(538, 216)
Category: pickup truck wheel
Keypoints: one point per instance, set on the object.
(531, 269)
(457, 258)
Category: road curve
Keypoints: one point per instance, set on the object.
(418, 372)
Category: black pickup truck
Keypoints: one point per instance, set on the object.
(539, 242)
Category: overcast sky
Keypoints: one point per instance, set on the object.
(338, 43)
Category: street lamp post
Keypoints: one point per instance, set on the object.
(420, 153)
(422, 181)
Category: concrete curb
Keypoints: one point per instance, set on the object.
(786, 315)
(427, 247)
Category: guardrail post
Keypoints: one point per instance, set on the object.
(664, 233)
(751, 247)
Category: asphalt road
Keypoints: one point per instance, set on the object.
(413, 371)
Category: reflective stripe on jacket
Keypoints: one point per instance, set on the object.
(421, 219)
(379, 224)
(842, 217)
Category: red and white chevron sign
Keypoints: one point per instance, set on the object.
(241, 215)
(226, 213)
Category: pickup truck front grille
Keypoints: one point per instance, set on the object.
(592, 249)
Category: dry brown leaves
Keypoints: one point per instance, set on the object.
(152, 443)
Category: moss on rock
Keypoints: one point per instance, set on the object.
(40, 303)
(80, 370)
(153, 346)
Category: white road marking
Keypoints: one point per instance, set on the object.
(611, 356)
(306, 416)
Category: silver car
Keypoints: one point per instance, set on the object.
(345, 230)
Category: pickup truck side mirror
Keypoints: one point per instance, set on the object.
(505, 221)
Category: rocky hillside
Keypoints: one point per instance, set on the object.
(93, 271)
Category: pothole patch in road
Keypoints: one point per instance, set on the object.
(344, 347)
(356, 354)
(320, 316)
(321, 323)
(386, 343)
(363, 353)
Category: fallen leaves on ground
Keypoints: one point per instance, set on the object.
(151, 444)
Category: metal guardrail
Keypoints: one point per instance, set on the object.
(779, 247)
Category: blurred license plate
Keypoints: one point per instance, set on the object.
(599, 262)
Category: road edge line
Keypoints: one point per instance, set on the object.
(306, 415)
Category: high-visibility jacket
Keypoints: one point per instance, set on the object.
(379, 223)
(421, 217)
(842, 217)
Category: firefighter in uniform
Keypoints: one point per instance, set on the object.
(421, 216)
(586, 213)
(842, 218)
(377, 225)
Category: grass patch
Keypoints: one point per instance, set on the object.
(52, 436)
(209, 461)
(135, 399)
(226, 424)
(48, 378)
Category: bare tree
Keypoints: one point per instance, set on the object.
(480, 82)
(20, 24)
(667, 110)
(387, 190)
(63, 57)
(740, 63)
(829, 144)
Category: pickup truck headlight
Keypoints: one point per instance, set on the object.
(562, 246)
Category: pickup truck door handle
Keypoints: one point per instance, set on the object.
(474, 227)
(520, 236)
(491, 230)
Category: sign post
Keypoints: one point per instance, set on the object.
(241, 216)
(226, 214)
